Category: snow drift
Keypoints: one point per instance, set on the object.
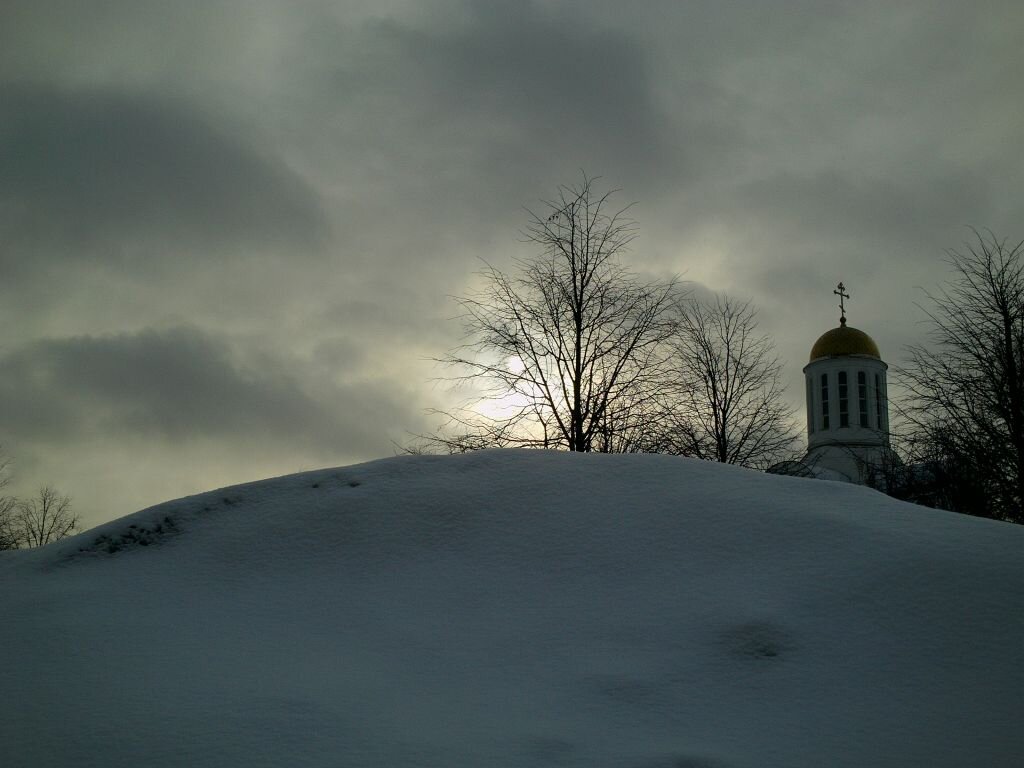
(519, 608)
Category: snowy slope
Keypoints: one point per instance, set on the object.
(519, 608)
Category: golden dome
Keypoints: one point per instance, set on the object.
(844, 340)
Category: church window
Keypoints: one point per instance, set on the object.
(862, 396)
(824, 401)
(844, 401)
(879, 402)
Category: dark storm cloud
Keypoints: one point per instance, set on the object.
(525, 75)
(177, 384)
(116, 175)
(521, 95)
(863, 216)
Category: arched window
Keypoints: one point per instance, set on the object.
(880, 403)
(824, 401)
(862, 397)
(844, 401)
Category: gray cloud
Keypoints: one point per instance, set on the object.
(458, 123)
(124, 177)
(180, 384)
(529, 85)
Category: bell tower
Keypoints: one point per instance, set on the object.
(847, 403)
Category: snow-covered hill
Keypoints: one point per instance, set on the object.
(519, 608)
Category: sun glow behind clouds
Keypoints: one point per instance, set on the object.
(502, 402)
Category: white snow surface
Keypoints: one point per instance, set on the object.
(519, 608)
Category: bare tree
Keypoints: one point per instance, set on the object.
(42, 519)
(730, 405)
(8, 503)
(568, 351)
(965, 410)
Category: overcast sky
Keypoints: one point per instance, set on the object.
(230, 229)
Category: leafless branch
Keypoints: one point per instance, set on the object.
(45, 518)
(730, 405)
(569, 350)
(966, 386)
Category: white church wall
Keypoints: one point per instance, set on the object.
(848, 422)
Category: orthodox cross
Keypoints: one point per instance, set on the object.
(842, 294)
